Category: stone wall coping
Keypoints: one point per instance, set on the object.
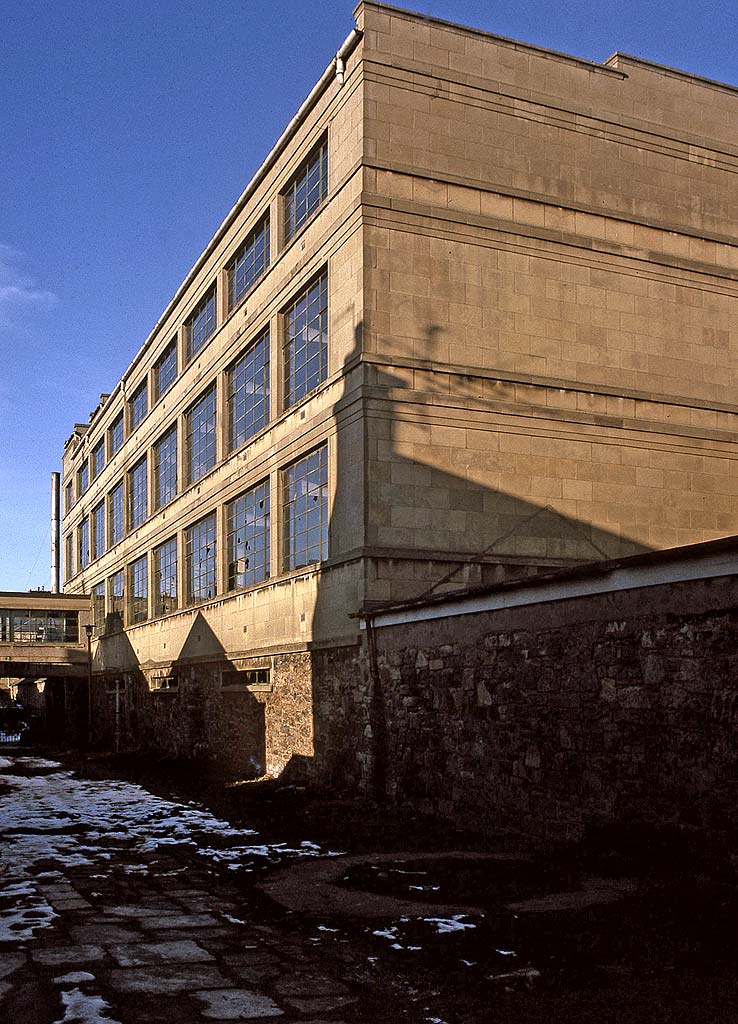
(654, 568)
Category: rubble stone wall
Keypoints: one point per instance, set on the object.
(547, 718)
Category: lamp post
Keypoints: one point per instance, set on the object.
(88, 632)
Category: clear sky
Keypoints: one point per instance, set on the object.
(128, 130)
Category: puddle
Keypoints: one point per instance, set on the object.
(480, 882)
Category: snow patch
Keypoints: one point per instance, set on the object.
(83, 1009)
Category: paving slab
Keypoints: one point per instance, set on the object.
(58, 955)
(309, 985)
(325, 1004)
(9, 963)
(237, 1004)
(168, 978)
(103, 934)
(169, 921)
(142, 953)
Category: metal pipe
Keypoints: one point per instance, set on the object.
(55, 536)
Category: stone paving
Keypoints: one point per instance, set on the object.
(98, 929)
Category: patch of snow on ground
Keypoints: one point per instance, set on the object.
(74, 822)
(449, 924)
(83, 1009)
(22, 912)
(36, 762)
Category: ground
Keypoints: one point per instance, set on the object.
(134, 894)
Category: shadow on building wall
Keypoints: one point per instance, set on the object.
(195, 707)
(496, 535)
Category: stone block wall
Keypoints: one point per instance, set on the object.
(548, 718)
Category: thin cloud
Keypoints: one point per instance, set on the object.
(19, 292)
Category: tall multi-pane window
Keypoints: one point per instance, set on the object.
(248, 392)
(116, 600)
(137, 504)
(115, 434)
(83, 549)
(138, 590)
(83, 478)
(247, 537)
(116, 520)
(305, 510)
(201, 324)
(98, 608)
(249, 263)
(165, 370)
(306, 341)
(165, 468)
(306, 191)
(69, 556)
(200, 560)
(68, 496)
(98, 530)
(200, 436)
(98, 458)
(139, 404)
(165, 577)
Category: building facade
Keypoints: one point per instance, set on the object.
(474, 317)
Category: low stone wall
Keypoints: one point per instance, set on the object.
(548, 717)
(303, 724)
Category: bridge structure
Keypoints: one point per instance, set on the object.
(45, 657)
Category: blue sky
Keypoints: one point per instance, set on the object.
(129, 129)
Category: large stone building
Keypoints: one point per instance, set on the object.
(474, 316)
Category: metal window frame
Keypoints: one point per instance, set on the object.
(291, 511)
(209, 297)
(293, 392)
(232, 542)
(170, 476)
(259, 234)
(316, 158)
(232, 391)
(191, 450)
(172, 565)
(210, 523)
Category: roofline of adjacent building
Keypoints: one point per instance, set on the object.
(703, 560)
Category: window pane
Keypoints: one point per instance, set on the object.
(306, 342)
(116, 524)
(138, 589)
(247, 539)
(98, 525)
(200, 436)
(98, 458)
(249, 263)
(201, 324)
(306, 191)
(200, 560)
(116, 602)
(98, 608)
(165, 577)
(137, 504)
(305, 512)
(165, 468)
(84, 543)
(248, 393)
(83, 478)
(116, 434)
(139, 404)
(165, 371)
